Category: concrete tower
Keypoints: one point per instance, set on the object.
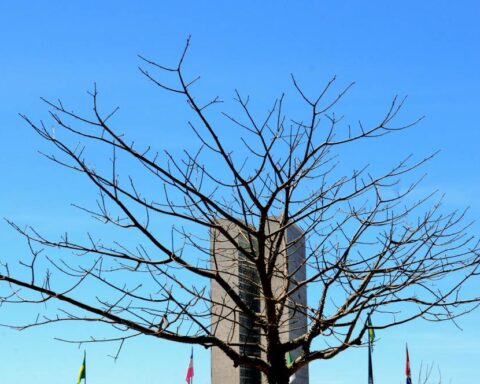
(232, 326)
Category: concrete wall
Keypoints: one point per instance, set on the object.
(224, 259)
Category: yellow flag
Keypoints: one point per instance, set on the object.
(83, 369)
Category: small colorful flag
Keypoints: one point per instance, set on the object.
(289, 360)
(371, 332)
(371, 339)
(189, 376)
(407, 367)
(83, 369)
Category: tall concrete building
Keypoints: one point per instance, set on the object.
(236, 329)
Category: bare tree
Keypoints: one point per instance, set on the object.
(373, 246)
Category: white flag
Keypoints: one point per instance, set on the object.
(292, 378)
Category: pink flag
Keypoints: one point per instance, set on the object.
(189, 376)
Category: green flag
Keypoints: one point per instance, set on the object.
(83, 369)
(371, 332)
(289, 360)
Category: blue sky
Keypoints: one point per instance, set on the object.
(427, 50)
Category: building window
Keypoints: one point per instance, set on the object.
(249, 333)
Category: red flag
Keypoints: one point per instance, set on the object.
(189, 376)
(407, 367)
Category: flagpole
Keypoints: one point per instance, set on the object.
(371, 336)
(370, 367)
(85, 359)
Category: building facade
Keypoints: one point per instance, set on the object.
(232, 326)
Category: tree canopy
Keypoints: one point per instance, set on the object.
(373, 245)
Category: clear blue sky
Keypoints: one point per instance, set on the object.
(426, 49)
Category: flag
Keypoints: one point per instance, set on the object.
(83, 369)
(371, 338)
(371, 332)
(189, 376)
(289, 360)
(407, 367)
(292, 378)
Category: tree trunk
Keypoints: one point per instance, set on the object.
(278, 378)
(278, 373)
